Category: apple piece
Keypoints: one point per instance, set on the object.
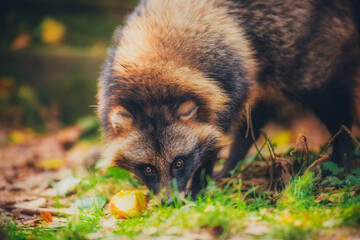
(128, 203)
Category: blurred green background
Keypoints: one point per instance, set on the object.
(51, 52)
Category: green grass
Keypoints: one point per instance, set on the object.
(293, 213)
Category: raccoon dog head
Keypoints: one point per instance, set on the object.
(159, 110)
(159, 126)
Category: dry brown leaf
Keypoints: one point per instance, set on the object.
(150, 231)
(257, 229)
(301, 145)
(57, 222)
(46, 216)
(320, 198)
(83, 154)
(199, 234)
(285, 168)
(30, 182)
(281, 171)
(50, 192)
(10, 197)
(32, 204)
(69, 135)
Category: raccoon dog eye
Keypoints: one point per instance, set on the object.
(149, 170)
(178, 163)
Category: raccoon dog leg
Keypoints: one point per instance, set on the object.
(240, 146)
(334, 109)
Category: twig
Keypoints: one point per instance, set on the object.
(257, 154)
(270, 146)
(322, 158)
(271, 166)
(250, 126)
(342, 128)
(52, 211)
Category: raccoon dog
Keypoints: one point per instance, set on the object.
(181, 73)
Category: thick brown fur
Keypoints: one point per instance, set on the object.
(181, 73)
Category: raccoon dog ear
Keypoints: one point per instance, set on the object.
(187, 111)
(120, 119)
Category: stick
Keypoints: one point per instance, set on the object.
(52, 211)
(270, 146)
(322, 158)
(250, 126)
(343, 127)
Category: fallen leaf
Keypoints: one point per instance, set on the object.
(32, 181)
(150, 231)
(83, 154)
(108, 223)
(50, 192)
(52, 211)
(320, 198)
(257, 230)
(57, 222)
(21, 41)
(280, 172)
(98, 48)
(17, 137)
(200, 234)
(66, 185)
(50, 164)
(332, 222)
(30, 151)
(7, 85)
(173, 231)
(69, 135)
(46, 216)
(10, 197)
(254, 226)
(32, 204)
(301, 147)
(238, 237)
(52, 31)
(285, 168)
(282, 139)
(89, 202)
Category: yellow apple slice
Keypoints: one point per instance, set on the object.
(128, 203)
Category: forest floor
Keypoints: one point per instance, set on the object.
(51, 187)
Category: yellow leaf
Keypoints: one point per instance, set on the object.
(282, 139)
(17, 137)
(52, 31)
(48, 164)
(99, 48)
